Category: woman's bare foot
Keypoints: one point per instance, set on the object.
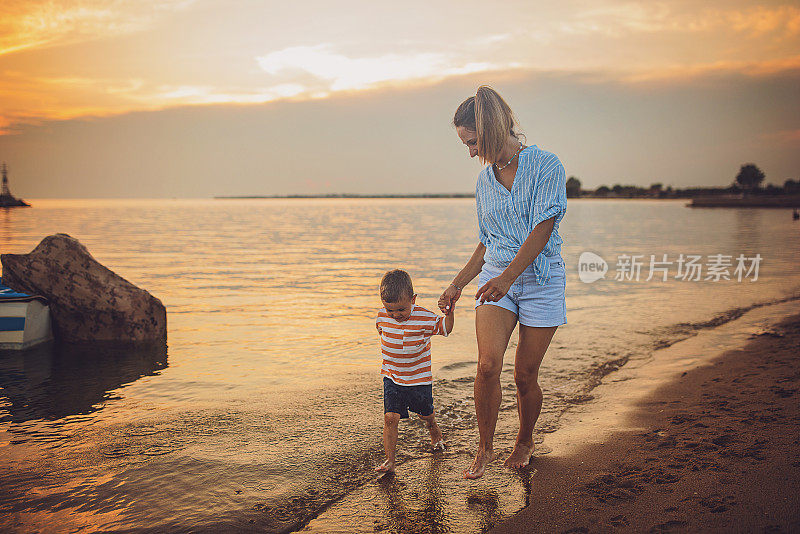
(478, 467)
(385, 467)
(520, 456)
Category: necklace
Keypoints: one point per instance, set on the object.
(500, 168)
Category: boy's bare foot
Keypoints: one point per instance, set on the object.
(436, 433)
(385, 467)
(520, 456)
(478, 467)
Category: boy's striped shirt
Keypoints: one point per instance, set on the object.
(406, 346)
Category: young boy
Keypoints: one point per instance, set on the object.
(405, 330)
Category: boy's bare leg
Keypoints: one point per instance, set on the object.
(390, 421)
(533, 343)
(433, 428)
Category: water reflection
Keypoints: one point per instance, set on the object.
(51, 382)
(748, 229)
(415, 513)
(485, 504)
(524, 475)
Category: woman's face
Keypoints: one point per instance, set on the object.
(469, 138)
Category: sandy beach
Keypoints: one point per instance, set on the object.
(699, 435)
(711, 448)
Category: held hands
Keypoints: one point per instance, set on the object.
(447, 302)
(493, 290)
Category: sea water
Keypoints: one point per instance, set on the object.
(265, 412)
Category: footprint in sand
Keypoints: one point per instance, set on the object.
(619, 521)
(669, 526)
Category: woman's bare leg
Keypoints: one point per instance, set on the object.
(493, 326)
(533, 343)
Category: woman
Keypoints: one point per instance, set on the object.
(521, 198)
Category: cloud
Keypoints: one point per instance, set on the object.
(69, 97)
(215, 54)
(26, 24)
(339, 72)
(781, 21)
(746, 68)
(627, 18)
(787, 137)
(192, 94)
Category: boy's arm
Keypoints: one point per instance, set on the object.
(444, 325)
(449, 320)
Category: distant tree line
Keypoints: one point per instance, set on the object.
(747, 182)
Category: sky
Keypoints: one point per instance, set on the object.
(197, 98)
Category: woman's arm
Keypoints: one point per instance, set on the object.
(473, 267)
(534, 244)
(532, 247)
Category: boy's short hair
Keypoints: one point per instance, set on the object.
(395, 285)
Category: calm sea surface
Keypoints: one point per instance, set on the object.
(266, 411)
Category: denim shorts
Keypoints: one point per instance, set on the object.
(534, 305)
(401, 399)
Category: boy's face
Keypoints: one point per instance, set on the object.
(400, 310)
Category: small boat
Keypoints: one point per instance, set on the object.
(24, 320)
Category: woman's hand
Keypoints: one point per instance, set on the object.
(447, 302)
(494, 289)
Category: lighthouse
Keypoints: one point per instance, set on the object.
(7, 200)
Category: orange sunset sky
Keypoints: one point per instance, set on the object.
(187, 98)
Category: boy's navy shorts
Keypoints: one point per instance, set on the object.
(401, 399)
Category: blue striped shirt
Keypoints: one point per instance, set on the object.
(506, 219)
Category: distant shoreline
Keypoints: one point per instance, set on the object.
(764, 201)
(355, 195)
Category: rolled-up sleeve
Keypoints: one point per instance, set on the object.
(549, 196)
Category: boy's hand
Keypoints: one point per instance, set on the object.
(447, 302)
(449, 319)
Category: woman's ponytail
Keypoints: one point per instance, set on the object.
(491, 118)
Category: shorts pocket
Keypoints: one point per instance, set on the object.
(557, 270)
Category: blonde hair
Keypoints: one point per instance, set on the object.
(491, 118)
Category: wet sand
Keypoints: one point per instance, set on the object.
(714, 447)
(681, 437)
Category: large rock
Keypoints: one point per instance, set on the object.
(88, 302)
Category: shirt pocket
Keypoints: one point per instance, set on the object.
(413, 341)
